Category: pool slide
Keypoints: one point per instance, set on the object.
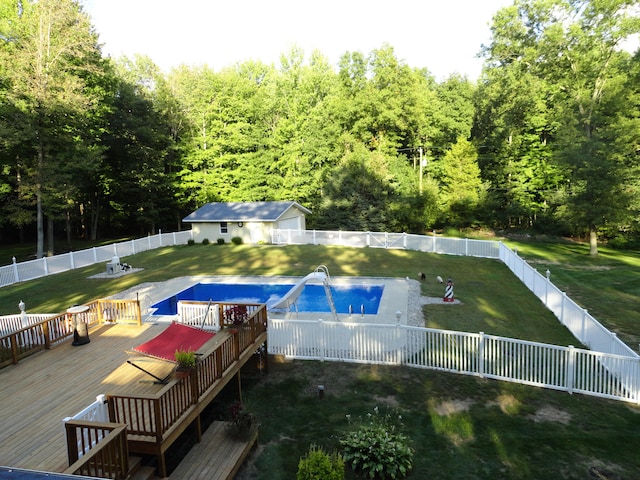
(292, 295)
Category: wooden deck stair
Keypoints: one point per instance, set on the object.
(218, 456)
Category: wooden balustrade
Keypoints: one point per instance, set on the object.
(42, 335)
(97, 449)
(156, 420)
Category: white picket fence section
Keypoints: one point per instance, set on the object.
(23, 271)
(582, 325)
(12, 323)
(200, 315)
(561, 368)
(95, 412)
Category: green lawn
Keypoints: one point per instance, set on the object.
(461, 427)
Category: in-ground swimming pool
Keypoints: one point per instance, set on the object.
(312, 299)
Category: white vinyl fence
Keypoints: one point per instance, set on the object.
(96, 412)
(580, 323)
(23, 271)
(561, 368)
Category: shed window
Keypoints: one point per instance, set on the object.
(223, 227)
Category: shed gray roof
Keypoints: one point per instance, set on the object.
(242, 212)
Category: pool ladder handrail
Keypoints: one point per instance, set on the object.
(326, 282)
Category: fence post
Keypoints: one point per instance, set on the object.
(46, 266)
(564, 295)
(314, 237)
(133, 246)
(149, 241)
(160, 235)
(404, 240)
(481, 354)
(466, 247)
(546, 292)
(71, 261)
(571, 353)
(368, 239)
(115, 249)
(433, 244)
(321, 350)
(174, 238)
(614, 342)
(103, 411)
(95, 255)
(637, 385)
(398, 330)
(15, 269)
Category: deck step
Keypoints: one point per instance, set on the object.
(144, 473)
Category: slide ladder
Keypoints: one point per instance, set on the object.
(327, 290)
(290, 298)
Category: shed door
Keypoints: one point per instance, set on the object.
(289, 224)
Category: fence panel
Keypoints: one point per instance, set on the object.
(525, 362)
(549, 366)
(30, 270)
(420, 243)
(84, 258)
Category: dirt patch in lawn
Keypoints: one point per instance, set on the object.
(551, 414)
(451, 407)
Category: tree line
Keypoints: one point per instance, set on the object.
(547, 140)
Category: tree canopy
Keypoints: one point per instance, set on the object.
(546, 140)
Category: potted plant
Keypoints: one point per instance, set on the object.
(185, 362)
(241, 421)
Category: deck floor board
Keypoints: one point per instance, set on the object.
(53, 384)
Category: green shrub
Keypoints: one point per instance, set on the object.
(377, 449)
(319, 465)
(191, 241)
(236, 240)
(205, 241)
(220, 241)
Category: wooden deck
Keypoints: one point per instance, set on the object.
(217, 457)
(53, 384)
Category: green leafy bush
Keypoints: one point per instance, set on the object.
(319, 465)
(191, 241)
(377, 448)
(220, 241)
(205, 241)
(236, 240)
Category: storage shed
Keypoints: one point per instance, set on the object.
(254, 222)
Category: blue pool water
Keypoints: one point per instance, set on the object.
(312, 298)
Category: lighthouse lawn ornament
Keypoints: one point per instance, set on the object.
(448, 291)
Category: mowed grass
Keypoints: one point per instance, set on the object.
(461, 427)
(492, 301)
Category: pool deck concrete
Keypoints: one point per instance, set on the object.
(395, 296)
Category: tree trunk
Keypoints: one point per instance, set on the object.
(593, 241)
(50, 246)
(68, 226)
(39, 226)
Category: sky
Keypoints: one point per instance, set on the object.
(443, 36)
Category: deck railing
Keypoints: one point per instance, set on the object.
(568, 369)
(97, 449)
(54, 329)
(154, 419)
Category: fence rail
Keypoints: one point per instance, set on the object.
(32, 269)
(568, 369)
